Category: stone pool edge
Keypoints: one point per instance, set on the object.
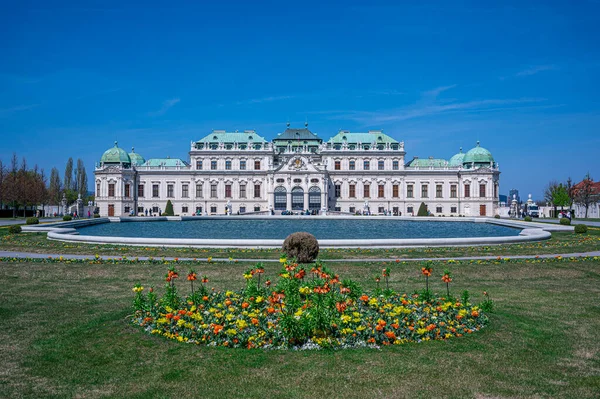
(65, 231)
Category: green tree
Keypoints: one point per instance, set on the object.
(69, 185)
(423, 210)
(168, 209)
(560, 197)
(81, 179)
(55, 189)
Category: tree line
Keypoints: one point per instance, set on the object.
(566, 194)
(22, 187)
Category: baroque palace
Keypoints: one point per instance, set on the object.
(241, 172)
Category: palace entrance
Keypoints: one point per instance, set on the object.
(280, 198)
(297, 199)
(314, 198)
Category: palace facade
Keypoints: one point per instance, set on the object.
(241, 172)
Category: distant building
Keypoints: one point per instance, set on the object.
(512, 193)
(593, 210)
(350, 172)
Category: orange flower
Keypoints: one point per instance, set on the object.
(390, 335)
(395, 325)
(371, 340)
(175, 318)
(245, 305)
(191, 276)
(426, 271)
(254, 321)
(475, 313)
(217, 328)
(205, 298)
(446, 278)
(341, 306)
(169, 315)
(228, 302)
(364, 298)
(271, 310)
(430, 327)
(379, 327)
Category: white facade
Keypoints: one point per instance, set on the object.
(245, 173)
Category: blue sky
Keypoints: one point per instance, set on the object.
(521, 77)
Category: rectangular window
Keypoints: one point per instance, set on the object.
(381, 209)
(213, 191)
(381, 191)
(438, 209)
(482, 190)
(438, 191)
(185, 191)
(127, 209)
(199, 164)
(395, 190)
(352, 209)
(213, 209)
(242, 209)
(170, 191)
(155, 190)
(395, 165)
(97, 189)
(452, 209)
(467, 190)
(367, 191)
(198, 210)
(228, 191)
(199, 191)
(453, 191)
(184, 209)
(409, 209)
(338, 165)
(155, 209)
(338, 191)
(352, 191)
(140, 209)
(111, 189)
(366, 165)
(257, 190)
(495, 191)
(141, 190)
(257, 165)
(424, 193)
(380, 165)
(242, 191)
(243, 165)
(213, 165)
(352, 165)
(227, 165)
(409, 191)
(257, 209)
(337, 209)
(127, 191)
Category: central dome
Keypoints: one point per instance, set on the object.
(115, 155)
(478, 156)
(457, 159)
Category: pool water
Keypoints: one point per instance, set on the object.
(230, 228)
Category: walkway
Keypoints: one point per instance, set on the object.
(10, 254)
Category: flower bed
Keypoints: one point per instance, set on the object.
(304, 310)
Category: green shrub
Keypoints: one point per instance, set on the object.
(527, 218)
(96, 215)
(565, 221)
(32, 220)
(302, 246)
(580, 228)
(497, 217)
(168, 209)
(422, 210)
(14, 229)
(66, 218)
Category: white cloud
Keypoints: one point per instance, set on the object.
(536, 69)
(167, 105)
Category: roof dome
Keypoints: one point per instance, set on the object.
(136, 159)
(115, 155)
(457, 159)
(478, 156)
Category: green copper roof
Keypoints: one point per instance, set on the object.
(478, 155)
(115, 155)
(297, 134)
(457, 159)
(167, 162)
(136, 159)
(221, 136)
(426, 163)
(373, 136)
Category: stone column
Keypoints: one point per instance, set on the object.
(288, 206)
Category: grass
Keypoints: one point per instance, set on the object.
(64, 333)
(561, 243)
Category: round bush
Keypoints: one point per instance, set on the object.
(32, 220)
(497, 217)
(66, 218)
(302, 246)
(580, 228)
(565, 221)
(14, 229)
(527, 218)
(96, 215)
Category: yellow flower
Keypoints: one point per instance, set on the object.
(241, 324)
(231, 331)
(304, 290)
(138, 289)
(247, 276)
(421, 331)
(346, 319)
(259, 299)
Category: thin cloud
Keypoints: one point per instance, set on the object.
(263, 100)
(437, 91)
(167, 105)
(536, 69)
(9, 111)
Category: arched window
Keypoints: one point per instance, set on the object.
(280, 199)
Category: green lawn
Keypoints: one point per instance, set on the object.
(64, 333)
(561, 242)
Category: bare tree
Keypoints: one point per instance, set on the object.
(81, 179)
(54, 191)
(2, 176)
(585, 193)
